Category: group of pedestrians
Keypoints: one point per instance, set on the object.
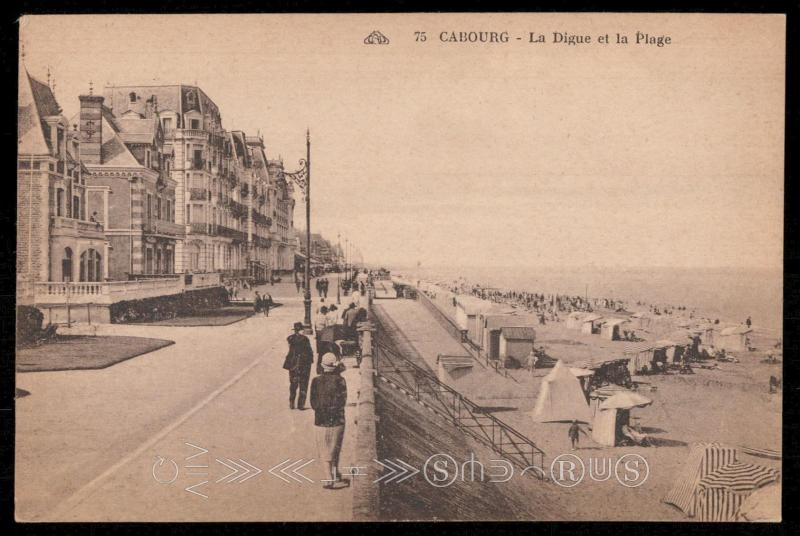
(263, 303)
(328, 392)
(322, 287)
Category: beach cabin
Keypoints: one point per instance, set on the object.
(612, 414)
(497, 310)
(706, 333)
(491, 326)
(467, 310)
(590, 323)
(561, 398)
(641, 320)
(610, 329)
(516, 343)
(669, 351)
(733, 339)
(640, 357)
(575, 320)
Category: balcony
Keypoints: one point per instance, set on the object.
(199, 194)
(62, 226)
(165, 228)
(233, 234)
(198, 164)
(195, 133)
(200, 228)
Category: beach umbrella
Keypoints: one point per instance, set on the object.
(625, 400)
(740, 477)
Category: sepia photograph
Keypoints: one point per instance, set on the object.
(400, 267)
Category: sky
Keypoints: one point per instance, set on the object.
(483, 154)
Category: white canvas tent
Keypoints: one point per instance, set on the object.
(561, 398)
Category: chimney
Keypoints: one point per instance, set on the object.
(91, 128)
(150, 107)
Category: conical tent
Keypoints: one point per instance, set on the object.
(561, 398)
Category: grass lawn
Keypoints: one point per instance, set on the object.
(83, 352)
(215, 317)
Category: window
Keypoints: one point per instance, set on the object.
(148, 267)
(66, 265)
(91, 266)
(149, 206)
(147, 161)
(159, 215)
(59, 202)
(188, 213)
(166, 124)
(76, 207)
(195, 124)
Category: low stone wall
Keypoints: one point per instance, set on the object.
(366, 499)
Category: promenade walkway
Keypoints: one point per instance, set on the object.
(88, 443)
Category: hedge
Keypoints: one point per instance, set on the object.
(29, 324)
(188, 303)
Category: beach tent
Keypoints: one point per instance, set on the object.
(575, 320)
(610, 329)
(723, 491)
(516, 342)
(703, 459)
(492, 323)
(561, 398)
(764, 504)
(590, 323)
(612, 412)
(640, 356)
(733, 338)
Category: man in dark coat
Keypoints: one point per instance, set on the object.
(298, 363)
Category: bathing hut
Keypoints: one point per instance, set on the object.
(733, 339)
(590, 323)
(612, 413)
(467, 310)
(493, 323)
(575, 320)
(516, 343)
(640, 357)
(610, 328)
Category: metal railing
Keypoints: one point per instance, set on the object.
(466, 415)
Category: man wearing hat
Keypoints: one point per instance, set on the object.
(329, 398)
(298, 362)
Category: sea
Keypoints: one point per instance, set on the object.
(730, 294)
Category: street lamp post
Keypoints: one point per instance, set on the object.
(303, 179)
(307, 296)
(338, 268)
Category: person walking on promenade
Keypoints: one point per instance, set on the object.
(328, 399)
(574, 431)
(266, 303)
(257, 303)
(298, 362)
(325, 287)
(318, 286)
(749, 322)
(297, 282)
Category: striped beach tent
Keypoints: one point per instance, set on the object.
(703, 459)
(722, 491)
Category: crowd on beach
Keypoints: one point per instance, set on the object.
(553, 307)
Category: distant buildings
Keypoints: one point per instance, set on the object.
(144, 183)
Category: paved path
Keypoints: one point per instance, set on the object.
(87, 441)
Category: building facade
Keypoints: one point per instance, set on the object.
(56, 242)
(130, 190)
(234, 204)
